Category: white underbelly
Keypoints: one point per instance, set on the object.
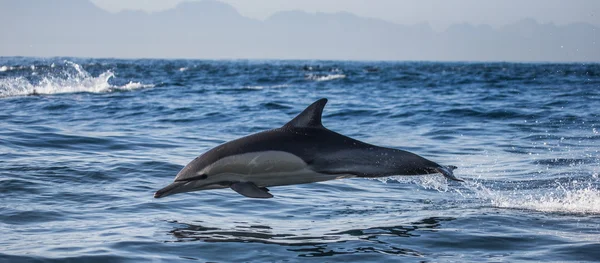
(267, 168)
(303, 176)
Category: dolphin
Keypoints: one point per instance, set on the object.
(301, 151)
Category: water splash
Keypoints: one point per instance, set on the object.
(316, 77)
(261, 87)
(71, 79)
(132, 85)
(431, 181)
(5, 68)
(577, 198)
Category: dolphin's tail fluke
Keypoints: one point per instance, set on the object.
(447, 172)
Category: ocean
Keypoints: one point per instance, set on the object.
(85, 143)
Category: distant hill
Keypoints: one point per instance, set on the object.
(212, 30)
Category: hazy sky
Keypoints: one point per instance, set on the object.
(439, 13)
(209, 31)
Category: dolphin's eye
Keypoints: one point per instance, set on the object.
(193, 178)
(198, 177)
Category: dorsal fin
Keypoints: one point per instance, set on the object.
(310, 117)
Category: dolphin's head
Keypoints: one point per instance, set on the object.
(197, 183)
(193, 177)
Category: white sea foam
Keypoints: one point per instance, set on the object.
(325, 77)
(584, 200)
(64, 82)
(431, 181)
(576, 198)
(5, 68)
(134, 85)
(267, 87)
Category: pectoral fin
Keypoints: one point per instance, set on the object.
(249, 189)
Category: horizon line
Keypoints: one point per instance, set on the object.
(314, 60)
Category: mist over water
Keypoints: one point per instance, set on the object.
(84, 143)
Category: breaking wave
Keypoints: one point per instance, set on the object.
(5, 68)
(261, 87)
(574, 197)
(316, 77)
(71, 79)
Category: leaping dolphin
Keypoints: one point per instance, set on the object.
(301, 151)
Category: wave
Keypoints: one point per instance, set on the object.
(261, 87)
(5, 68)
(66, 81)
(325, 77)
(132, 85)
(576, 199)
(584, 201)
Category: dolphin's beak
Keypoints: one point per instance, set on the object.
(168, 190)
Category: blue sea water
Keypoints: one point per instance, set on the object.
(84, 143)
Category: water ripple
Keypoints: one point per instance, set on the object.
(80, 161)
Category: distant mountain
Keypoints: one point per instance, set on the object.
(211, 29)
